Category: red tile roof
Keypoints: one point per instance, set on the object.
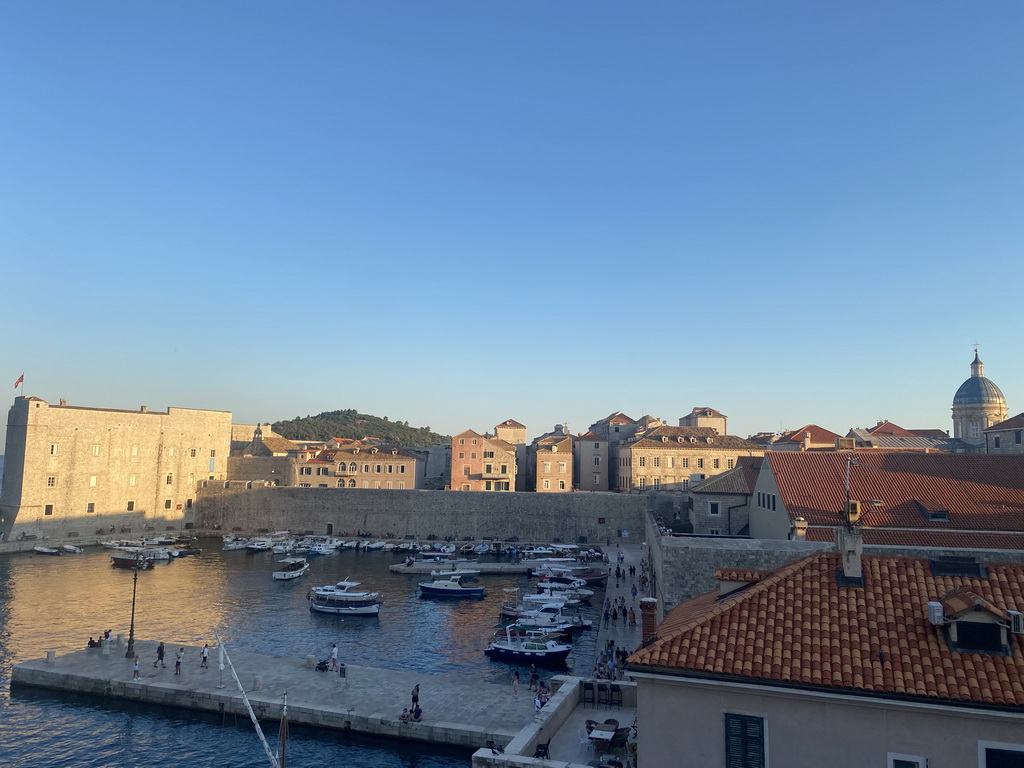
(819, 435)
(888, 537)
(888, 428)
(799, 628)
(1014, 422)
(980, 492)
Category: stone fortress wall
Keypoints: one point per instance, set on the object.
(597, 518)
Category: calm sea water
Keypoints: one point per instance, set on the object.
(59, 602)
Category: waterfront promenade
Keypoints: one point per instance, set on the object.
(457, 710)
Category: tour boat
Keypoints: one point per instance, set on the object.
(339, 598)
(291, 568)
(46, 551)
(450, 587)
(534, 647)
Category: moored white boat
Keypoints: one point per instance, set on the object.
(533, 647)
(341, 598)
(290, 568)
(71, 549)
(450, 587)
(467, 573)
(40, 550)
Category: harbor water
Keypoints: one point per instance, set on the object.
(60, 602)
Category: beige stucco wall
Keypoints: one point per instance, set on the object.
(683, 725)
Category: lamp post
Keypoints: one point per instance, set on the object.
(130, 653)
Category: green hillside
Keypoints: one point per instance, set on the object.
(356, 425)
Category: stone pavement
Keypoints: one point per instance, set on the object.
(457, 710)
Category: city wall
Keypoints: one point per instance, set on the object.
(571, 517)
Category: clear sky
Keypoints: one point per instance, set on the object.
(453, 213)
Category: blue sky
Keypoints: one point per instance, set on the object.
(453, 213)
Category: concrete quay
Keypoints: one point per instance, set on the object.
(456, 711)
(486, 569)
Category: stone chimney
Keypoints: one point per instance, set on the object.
(143, 408)
(805, 445)
(648, 620)
(63, 403)
(850, 544)
(799, 532)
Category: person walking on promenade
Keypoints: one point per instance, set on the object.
(607, 617)
(205, 655)
(632, 618)
(160, 656)
(633, 592)
(135, 669)
(515, 683)
(533, 677)
(415, 696)
(178, 658)
(334, 657)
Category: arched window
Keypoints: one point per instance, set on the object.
(352, 467)
(352, 483)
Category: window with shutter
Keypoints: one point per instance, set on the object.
(744, 741)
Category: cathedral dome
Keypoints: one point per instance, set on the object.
(978, 390)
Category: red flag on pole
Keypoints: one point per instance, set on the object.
(20, 381)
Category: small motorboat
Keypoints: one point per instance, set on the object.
(46, 551)
(71, 549)
(450, 587)
(290, 568)
(531, 647)
(467, 573)
(320, 548)
(340, 598)
(130, 560)
(375, 545)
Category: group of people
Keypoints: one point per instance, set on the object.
(414, 713)
(614, 609)
(610, 662)
(107, 634)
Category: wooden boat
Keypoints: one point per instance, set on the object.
(46, 551)
(533, 647)
(450, 587)
(341, 599)
(290, 568)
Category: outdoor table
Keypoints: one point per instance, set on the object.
(601, 737)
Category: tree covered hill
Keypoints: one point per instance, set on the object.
(355, 425)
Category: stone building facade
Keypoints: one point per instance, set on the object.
(1006, 436)
(482, 463)
(550, 460)
(78, 469)
(673, 458)
(590, 462)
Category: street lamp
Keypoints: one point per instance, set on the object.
(130, 653)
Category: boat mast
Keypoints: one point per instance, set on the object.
(252, 715)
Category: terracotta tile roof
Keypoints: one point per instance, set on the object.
(819, 435)
(888, 428)
(980, 492)
(964, 599)
(279, 445)
(591, 436)
(705, 411)
(939, 433)
(616, 418)
(887, 537)
(512, 423)
(799, 628)
(1014, 422)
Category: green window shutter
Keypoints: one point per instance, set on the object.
(744, 741)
